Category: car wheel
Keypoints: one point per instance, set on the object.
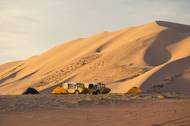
(94, 93)
(76, 92)
(97, 92)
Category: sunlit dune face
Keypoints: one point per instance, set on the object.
(31, 27)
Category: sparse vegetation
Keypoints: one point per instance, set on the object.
(31, 102)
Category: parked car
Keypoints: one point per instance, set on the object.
(75, 88)
(80, 88)
(97, 88)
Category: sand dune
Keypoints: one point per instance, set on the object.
(154, 56)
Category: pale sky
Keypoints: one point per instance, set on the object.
(30, 27)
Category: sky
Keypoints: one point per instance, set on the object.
(30, 27)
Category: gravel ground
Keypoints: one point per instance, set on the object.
(95, 110)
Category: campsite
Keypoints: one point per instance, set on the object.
(94, 63)
(100, 83)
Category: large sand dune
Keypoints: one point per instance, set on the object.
(155, 57)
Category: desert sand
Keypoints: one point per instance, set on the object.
(154, 57)
(93, 110)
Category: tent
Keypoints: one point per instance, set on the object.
(59, 90)
(30, 91)
(134, 91)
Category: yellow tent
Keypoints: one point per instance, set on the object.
(59, 90)
(134, 91)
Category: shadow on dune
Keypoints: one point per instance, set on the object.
(109, 41)
(28, 75)
(179, 27)
(157, 53)
(13, 75)
(170, 77)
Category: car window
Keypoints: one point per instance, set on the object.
(91, 86)
(71, 86)
(95, 86)
(80, 85)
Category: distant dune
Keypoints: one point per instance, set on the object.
(154, 57)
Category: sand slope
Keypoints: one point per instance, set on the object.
(154, 56)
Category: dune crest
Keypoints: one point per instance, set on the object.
(154, 56)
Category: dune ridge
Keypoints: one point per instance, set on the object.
(154, 56)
